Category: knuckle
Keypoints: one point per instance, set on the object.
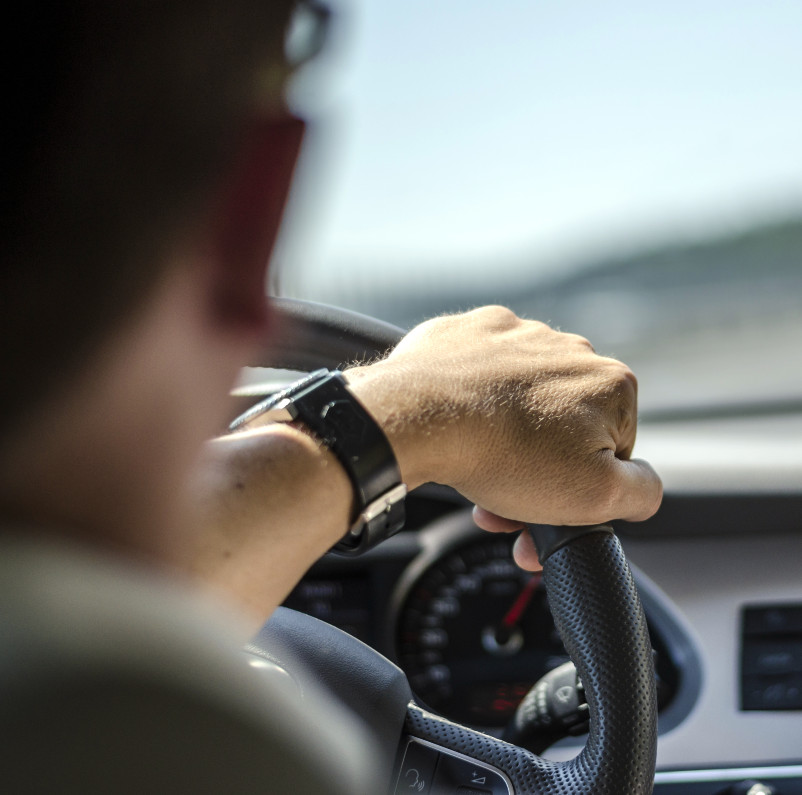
(629, 379)
(628, 390)
(580, 341)
(621, 381)
(498, 315)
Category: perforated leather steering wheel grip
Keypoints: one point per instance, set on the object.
(600, 619)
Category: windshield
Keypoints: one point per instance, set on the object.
(627, 171)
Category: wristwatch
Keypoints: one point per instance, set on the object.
(323, 402)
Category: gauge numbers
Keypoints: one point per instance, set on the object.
(475, 633)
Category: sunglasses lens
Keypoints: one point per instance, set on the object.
(307, 32)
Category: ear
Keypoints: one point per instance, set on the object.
(247, 221)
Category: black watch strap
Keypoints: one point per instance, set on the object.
(325, 405)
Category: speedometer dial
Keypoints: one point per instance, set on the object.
(475, 633)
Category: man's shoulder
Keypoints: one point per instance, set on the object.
(116, 679)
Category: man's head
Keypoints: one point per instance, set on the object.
(123, 120)
(129, 168)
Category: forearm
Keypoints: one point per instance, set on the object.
(270, 501)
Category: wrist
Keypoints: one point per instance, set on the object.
(324, 403)
(418, 428)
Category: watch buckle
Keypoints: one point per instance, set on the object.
(382, 504)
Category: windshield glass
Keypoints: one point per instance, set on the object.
(627, 171)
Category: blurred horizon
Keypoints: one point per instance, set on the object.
(630, 172)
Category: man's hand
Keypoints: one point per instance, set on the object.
(527, 422)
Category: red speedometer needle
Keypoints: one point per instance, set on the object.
(506, 638)
(521, 602)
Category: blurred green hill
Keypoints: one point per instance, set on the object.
(746, 277)
(710, 322)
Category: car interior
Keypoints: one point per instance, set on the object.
(624, 173)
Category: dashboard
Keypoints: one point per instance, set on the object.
(719, 569)
(471, 630)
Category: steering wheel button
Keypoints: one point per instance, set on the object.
(417, 769)
(459, 774)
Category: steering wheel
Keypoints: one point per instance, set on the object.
(596, 610)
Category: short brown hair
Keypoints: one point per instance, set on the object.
(121, 118)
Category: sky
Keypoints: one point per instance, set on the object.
(485, 137)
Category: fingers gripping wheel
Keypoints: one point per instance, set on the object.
(591, 592)
(598, 614)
